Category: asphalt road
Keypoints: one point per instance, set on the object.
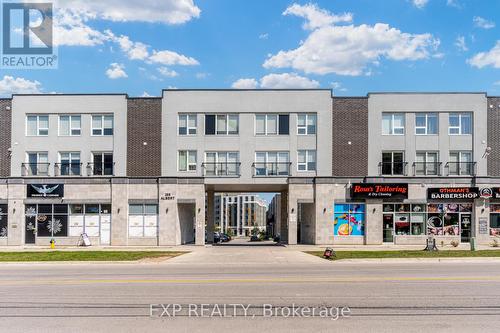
(382, 297)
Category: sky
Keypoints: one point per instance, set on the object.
(353, 47)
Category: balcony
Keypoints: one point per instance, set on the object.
(100, 169)
(68, 169)
(461, 168)
(393, 168)
(427, 168)
(271, 169)
(35, 169)
(221, 169)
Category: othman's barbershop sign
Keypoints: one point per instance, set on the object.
(379, 191)
(445, 193)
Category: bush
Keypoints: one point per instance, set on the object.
(454, 243)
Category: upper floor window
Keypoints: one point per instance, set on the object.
(426, 123)
(272, 163)
(306, 124)
(221, 124)
(70, 125)
(37, 125)
(272, 124)
(393, 123)
(306, 160)
(460, 163)
(102, 125)
(37, 164)
(187, 124)
(102, 165)
(460, 123)
(187, 160)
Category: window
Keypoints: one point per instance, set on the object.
(4, 217)
(222, 163)
(449, 219)
(143, 220)
(49, 220)
(349, 220)
(393, 163)
(222, 124)
(306, 160)
(37, 164)
(426, 163)
(102, 125)
(69, 164)
(37, 125)
(460, 163)
(187, 160)
(393, 123)
(70, 125)
(404, 219)
(272, 163)
(460, 123)
(272, 124)
(495, 220)
(103, 164)
(187, 124)
(88, 219)
(426, 123)
(306, 124)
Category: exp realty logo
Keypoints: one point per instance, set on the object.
(27, 36)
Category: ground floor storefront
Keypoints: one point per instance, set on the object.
(322, 211)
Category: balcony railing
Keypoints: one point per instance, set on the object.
(68, 169)
(461, 168)
(274, 169)
(392, 168)
(427, 168)
(101, 169)
(221, 169)
(35, 169)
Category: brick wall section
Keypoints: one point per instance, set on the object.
(144, 125)
(5, 131)
(350, 123)
(494, 136)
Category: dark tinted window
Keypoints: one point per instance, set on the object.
(284, 124)
(210, 124)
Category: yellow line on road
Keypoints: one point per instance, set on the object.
(250, 280)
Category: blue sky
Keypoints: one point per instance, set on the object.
(354, 47)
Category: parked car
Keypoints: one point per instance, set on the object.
(225, 237)
(217, 237)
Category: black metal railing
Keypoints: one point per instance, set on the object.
(35, 169)
(275, 169)
(392, 168)
(461, 168)
(221, 169)
(68, 169)
(427, 168)
(101, 169)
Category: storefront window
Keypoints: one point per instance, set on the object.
(3, 221)
(407, 219)
(495, 220)
(349, 220)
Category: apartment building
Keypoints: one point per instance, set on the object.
(382, 168)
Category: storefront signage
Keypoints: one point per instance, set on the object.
(167, 196)
(45, 190)
(483, 226)
(379, 191)
(495, 192)
(459, 193)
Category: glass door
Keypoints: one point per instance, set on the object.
(465, 227)
(388, 227)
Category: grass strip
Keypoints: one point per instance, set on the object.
(85, 255)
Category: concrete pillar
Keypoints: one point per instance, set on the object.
(210, 216)
(16, 225)
(324, 198)
(119, 211)
(481, 212)
(168, 215)
(199, 193)
(284, 216)
(373, 222)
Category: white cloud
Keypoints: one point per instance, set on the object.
(162, 11)
(70, 29)
(134, 50)
(460, 43)
(420, 3)
(170, 58)
(116, 71)
(10, 85)
(167, 72)
(315, 16)
(287, 80)
(482, 23)
(488, 58)
(276, 81)
(454, 3)
(145, 94)
(264, 36)
(348, 50)
(245, 84)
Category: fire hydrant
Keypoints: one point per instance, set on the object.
(52, 243)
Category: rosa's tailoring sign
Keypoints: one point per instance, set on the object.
(380, 191)
(167, 196)
(458, 193)
(45, 190)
